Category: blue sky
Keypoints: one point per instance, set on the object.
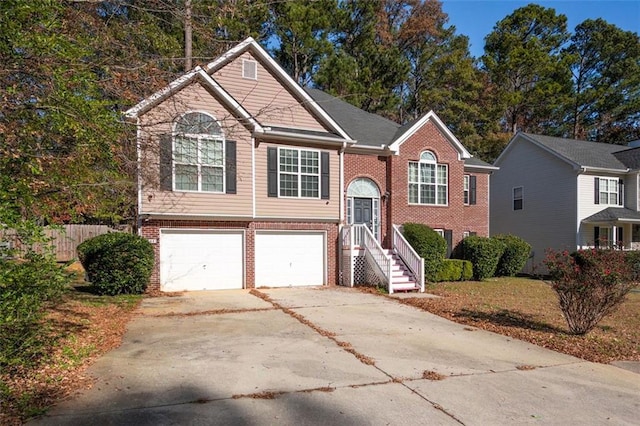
(476, 18)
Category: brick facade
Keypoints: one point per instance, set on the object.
(391, 175)
(151, 230)
(373, 167)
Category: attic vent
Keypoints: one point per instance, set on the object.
(249, 69)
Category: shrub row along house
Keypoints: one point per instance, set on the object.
(248, 180)
(566, 194)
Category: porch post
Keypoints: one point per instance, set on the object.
(351, 243)
(614, 236)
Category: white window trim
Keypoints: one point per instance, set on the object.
(199, 137)
(436, 184)
(513, 198)
(609, 192)
(440, 232)
(300, 174)
(466, 193)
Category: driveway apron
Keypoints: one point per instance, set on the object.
(334, 356)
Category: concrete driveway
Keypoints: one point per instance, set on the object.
(335, 356)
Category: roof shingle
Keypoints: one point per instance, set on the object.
(583, 153)
(366, 128)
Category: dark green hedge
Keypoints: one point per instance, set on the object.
(484, 253)
(429, 245)
(117, 263)
(514, 257)
(455, 270)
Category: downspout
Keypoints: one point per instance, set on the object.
(341, 202)
(581, 170)
(138, 175)
(488, 205)
(341, 222)
(253, 177)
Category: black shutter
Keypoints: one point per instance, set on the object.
(472, 233)
(597, 191)
(620, 192)
(448, 236)
(324, 175)
(230, 166)
(166, 163)
(272, 172)
(596, 236)
(472, 189)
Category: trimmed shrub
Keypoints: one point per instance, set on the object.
(117, 263)
(455, 270)
(514, 257)
(484, 253)
(429, 245)
(590, 284)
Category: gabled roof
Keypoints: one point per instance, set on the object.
(368, 129)
(248, 45)
(578, 153)
(630, 157)
(412, 127)
(195, 75)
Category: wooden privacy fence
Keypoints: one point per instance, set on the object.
(65, 240)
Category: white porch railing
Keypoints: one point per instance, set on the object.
(353, 235)
(361, 236)
(414, 262)
(375, 254)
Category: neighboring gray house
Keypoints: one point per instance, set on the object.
(566, 194)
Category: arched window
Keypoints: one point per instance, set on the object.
(363, 187)
(198, 153)
(428, 180)
(363, 204)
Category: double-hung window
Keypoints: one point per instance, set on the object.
(198, 154)
(299, 173)
(466, 189)
(608, 191)
(428, 181)
(518, 198)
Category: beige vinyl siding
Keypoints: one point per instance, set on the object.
(548, 217)
(297, 208)
(265, 98)
(159, 122)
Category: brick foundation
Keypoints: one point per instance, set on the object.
(151, 230)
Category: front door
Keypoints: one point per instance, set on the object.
(362, 211)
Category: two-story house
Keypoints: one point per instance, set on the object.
(248, 180)
(566, 194)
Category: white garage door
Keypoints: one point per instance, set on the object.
(290, 259)
(201, 260)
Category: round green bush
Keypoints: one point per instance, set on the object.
(484, 253)
(455, 270)
(117, 263)
(514, 257)
(430, 245)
